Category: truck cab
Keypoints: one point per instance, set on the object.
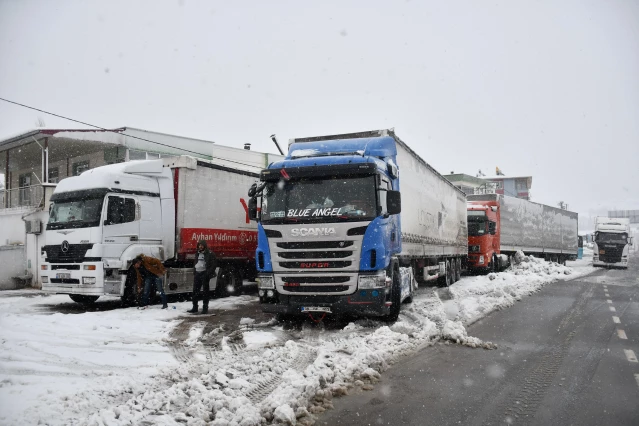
(612, 242)
(483, 236)
(99, 221)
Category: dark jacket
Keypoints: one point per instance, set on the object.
(209, 259)
(150, 267)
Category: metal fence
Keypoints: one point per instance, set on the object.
(27, 196)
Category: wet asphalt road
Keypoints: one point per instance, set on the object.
(561, 360)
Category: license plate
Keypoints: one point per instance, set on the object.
(602, 251)
(63, 276)
(316, 309)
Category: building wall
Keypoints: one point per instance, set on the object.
(12, 227)
(12, 261)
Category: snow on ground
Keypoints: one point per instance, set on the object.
(114, 368)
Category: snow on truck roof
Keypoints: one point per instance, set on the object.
(378, 144)
(131, 175)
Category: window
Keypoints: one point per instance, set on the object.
(80, 166)
(521, 185)
(54, 175)
(137, 155)
(24, 193)
(120, 210)
(24, 180)
(142, 155)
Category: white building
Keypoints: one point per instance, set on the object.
(32, 164)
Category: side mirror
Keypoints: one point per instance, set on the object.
(393, 202)
(492, 228)
(252, 208)
(252, 190)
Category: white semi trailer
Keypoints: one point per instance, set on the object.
(101, 220)
(612, 242)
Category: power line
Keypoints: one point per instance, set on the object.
(117, 133)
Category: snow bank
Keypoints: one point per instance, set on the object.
(260, 374)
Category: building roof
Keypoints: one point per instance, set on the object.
(462, 177)
(128, 136)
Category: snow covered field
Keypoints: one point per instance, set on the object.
(121, 366)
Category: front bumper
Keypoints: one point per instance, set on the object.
(67, 279)
(623, 263)
(363, 303)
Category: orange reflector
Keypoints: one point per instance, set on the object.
(89, 267)
(43, 267)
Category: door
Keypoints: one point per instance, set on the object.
(122, 220)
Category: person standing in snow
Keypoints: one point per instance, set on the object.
(205, 264)
(150, 271)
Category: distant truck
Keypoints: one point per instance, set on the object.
(101, 220)
(331, 238)
(499, 226)
(612, 242)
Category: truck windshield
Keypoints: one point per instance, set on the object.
(477, 223)
(609, 237)
(82, 213)
(320, 200)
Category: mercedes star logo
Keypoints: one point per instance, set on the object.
(64, 246)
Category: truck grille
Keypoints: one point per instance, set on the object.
(612, 253)
(316, 288)
(315, 265)
(315, 280)
(314, 254)
(74, 254)
(314, 245)
(64, 281)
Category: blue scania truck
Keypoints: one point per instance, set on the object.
(347, 224)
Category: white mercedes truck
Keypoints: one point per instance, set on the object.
(101, 220)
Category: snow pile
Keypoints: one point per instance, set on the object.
(257, 374)
(476, 297)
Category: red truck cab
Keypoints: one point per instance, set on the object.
(483, 235)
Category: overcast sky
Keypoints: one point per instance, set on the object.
(542, 88)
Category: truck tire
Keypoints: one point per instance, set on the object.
(458, 270)
(85, 300)
(453, 271)
(445, 280)
(396, 294)
(229, 282)
(129, 298)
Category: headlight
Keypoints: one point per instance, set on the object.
(371, 281)
(266, 282)
(88, 280)
(481, 259)
(270, 293)
(45, 280)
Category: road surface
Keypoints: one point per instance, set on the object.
(566, 355)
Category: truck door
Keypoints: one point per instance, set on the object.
(122, 220)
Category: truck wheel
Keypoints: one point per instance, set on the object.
(493, 264)
(458, 270)
(85, 300)
(129, 296)
(396, 296)
(229, 282)
(453, 273)
(445, 280)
